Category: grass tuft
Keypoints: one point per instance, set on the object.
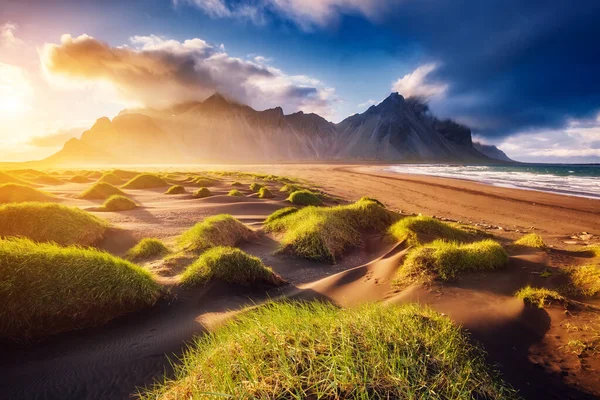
(235, 193)
(203, 181)
(236, 183)
(8, 178)
(118, 203)
(202, 193)
(289, 188)
(100, 191)
(124, 175)
(255, 187)
(111, 178)
(540, 297)
(304, 198)
(17, 193)
(176, 189)
(265, 193)
(318, 351)
(218, 230)
(49, 222)
(410, 228)
(324, 233)
(447, 260)
(79, 179)
(532, 240)
(147, 248)
(145, 181)
(47, 289)
(230, 265)
(586, 279)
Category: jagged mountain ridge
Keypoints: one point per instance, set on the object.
(221, 130)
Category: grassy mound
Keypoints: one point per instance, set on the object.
(236, 183)
(282, 212)
(235, 193)
(100, 191)
(123, 174)
(289, 188)
(324, 233)
(17, 193)
(265, 193)
(304, 198)
(255, 187)
(447, 260)
(586, 279)
(8, 178)
(202, 193)
(318, 351)
(531, 240)
(176, 189)
(93, 174)
(147, 248)
(45, 179)
(49, 222)
(145, 181)
(48, 289)
(204, 181)
(409, 229)
(218, 230)
(79, 179)
(230, 265)
(540, 297)
(118, 203)
(111, 179)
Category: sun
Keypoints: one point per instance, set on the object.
(16, 91)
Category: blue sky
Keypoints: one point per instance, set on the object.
(522, 74)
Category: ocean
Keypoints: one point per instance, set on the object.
(574, 180)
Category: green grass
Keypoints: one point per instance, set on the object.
(265, 193)
(147, 248)
(49, 222)
(218, 230)
(372, 199)
(204, 181)
(540, 297)
(236, 183)
(325, 233)
(118, 203)
(230, 265)
(47, 289)
(17, 193)
(176, 189)
(410, 228)
(202, 193)
(235, 193)
(111, 178)
(532, 240)
(318, 351)
(79, 179)
(282, 212)
(304, 198)
(145, 181)
(289, 188)
(100, 191)
(447, 260)
(255, 187)
(586, 279)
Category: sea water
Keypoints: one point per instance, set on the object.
(574, 180)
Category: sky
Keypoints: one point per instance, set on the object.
(523, 75)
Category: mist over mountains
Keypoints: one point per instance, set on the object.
(221, 130)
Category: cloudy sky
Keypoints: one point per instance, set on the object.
(524, 75)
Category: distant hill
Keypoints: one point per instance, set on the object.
(221, 130)
(491, 151)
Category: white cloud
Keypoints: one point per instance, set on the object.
(366, 104)
(416, 83)
(16, 91)
(159, 72)
(7, 36)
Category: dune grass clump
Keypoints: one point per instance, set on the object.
(532, 240)
(123, 174)
(17, 193)
(586, 279)
(48, 289)
(79, 179)
(540, 297)
(8, 178)
(50, 222)
(176, 189)
(145, 181)
(445, 261)
(118, 203)
(147, 248)
(293, 350)
(45, 179)
(202, 193)
(290, 188)
(236, 183)
(204, 181)
(409, 229)
(111, 178)
(282, 212)
(265, 193)
(304, 198)
(230, 265)
(100, 191)
(324, 233)
(255, 187)
(218, 230)
(235, 193)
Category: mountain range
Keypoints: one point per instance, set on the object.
(222, 130)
